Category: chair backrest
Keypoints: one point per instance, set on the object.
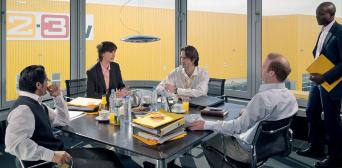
(76, 88)
(273, 138)
(216, 87)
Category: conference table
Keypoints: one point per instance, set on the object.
(120, 137)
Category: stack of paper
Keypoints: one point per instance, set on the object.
(85, 102)
(159, 127)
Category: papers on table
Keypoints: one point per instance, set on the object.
(85, 102)
(75, 114)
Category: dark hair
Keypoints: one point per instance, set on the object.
(279, 65)
(105, 46)
(191, 52)
(30, 76)
(330, 5)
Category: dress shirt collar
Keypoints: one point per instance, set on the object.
(35, 97)
(195, 73)
(328, 27)
(265, 87)
(106, 68)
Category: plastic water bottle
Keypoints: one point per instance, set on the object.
(154, 100)
(112, 101)
(128, 109)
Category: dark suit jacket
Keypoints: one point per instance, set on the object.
(96, 86)
(332, 49)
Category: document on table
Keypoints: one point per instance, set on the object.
(75, 114)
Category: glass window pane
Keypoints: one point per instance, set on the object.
(290, 28)
(218, 29)
(114, 19)
(37, 32)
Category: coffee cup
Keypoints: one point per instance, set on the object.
(177, 108)
(104, 114)
(147, 99)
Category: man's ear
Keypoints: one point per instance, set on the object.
(38, 85)
(272, 73)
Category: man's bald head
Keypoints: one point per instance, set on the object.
(279, 65)
(328, 6)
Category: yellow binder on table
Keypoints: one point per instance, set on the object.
(322, 65)
(157, 119)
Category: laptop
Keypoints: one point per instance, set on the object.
(205, 101)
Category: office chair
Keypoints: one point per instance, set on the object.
(76, 88)
(216, 88)
(272, 138)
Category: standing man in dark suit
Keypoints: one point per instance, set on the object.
(329, 43)
(105, 75)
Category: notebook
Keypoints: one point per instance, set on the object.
(205, 101)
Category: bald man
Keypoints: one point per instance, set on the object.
(273, 102)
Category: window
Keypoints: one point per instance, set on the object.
(113, 20)
(290, 28)
(218, 29)
(37, 32)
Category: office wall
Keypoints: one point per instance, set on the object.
(223, 50)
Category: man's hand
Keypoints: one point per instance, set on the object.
(197, 125)
(170, 88)
(317, 78)
(121, 92)
(54, 90)
(61, 157)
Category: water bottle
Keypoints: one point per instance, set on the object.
(154, 100)
(128, 109)
(112, 108)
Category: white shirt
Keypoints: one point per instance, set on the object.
(194, 86)
(21, 125)
(324, 32)
(273, 102)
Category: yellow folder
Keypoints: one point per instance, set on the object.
(322, 65)
(151, 142)
(150, 121)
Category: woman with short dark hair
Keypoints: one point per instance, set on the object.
(105, 75)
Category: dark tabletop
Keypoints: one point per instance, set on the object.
(121, 137)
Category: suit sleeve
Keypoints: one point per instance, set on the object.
(91, 82)
(336, 72)
(120, 84)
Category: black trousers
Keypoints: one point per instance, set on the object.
(93, 158)
(320, 100)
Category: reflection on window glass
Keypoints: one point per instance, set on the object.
(218, 29)
(113, 20)
(290, 28)
(37, 32)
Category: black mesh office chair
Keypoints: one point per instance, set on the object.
(272, 138)
(76, 88)
(216, 88)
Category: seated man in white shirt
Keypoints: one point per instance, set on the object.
(29, 134)
(187, 80)
(273, 102)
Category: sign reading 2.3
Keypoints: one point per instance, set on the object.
(42, 26)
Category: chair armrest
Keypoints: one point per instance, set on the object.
(224, 97)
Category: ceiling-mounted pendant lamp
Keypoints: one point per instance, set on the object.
(140, 39)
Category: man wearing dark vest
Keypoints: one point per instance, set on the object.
(29, 134)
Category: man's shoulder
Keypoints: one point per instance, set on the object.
(20, 110)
